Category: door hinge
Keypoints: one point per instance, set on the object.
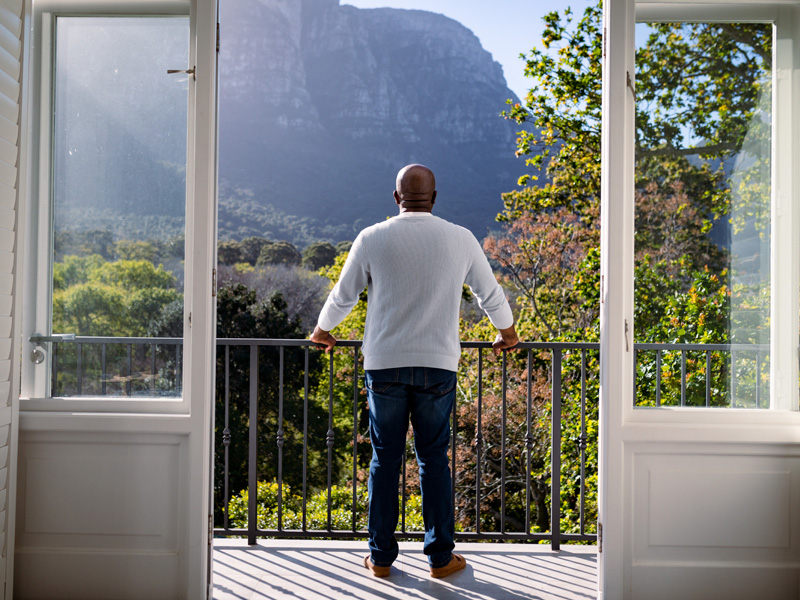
(217, 38)
(210, 530)
(213, 282)
(630, 85)
(627, 330)
(599, 538)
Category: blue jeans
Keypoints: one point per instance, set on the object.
(426, 395)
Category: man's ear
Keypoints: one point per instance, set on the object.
(433, 198)
(396, 198)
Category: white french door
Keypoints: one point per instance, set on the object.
(115, 430)
(700, 502)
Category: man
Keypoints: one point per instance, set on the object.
(414, 266)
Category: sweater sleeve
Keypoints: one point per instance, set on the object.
(491, 297)
(344, 295)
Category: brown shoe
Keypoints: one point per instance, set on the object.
(376, 570)
(457, 562)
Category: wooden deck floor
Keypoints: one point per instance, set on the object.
(322, 570)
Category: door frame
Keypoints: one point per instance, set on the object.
(627, 435)
(184, 427)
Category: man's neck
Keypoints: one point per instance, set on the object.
(415, 207)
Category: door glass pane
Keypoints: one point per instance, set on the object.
(119, 202)
(703, 188)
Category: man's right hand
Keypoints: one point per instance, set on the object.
(506, 338)
(323, 339)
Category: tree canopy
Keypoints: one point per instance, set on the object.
(700, 90)
(92, 296)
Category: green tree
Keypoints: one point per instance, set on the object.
(688, 123)
(136, 250)
(319, 255)
(120, 298)
(251, 248)
(279, 253)
(84, 243)
(343, 246)
(229, 253)
(697, 90)
(241, 314)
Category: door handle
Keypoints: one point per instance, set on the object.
(38, 338)
(187, 71)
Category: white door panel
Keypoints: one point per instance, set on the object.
(698, 503)
(120, 503)
(114, 491)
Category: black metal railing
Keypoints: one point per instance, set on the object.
(117, 366)
(702, 375)
(500, 382)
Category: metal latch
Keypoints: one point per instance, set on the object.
(38, 338)
(187, 71)
(37, 354)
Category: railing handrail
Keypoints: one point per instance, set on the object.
(699, 347)
(290, 342)
(104, 339)
(358, 344)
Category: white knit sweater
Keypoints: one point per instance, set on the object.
(414, 266)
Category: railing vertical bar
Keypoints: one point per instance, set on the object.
(635, 366)
(54, 374)
(683, 377)
(453, 430)
(555, 455)
(305, 440)
(178, 370)
(79, 365)
(355, 436)
(252, 483)
(528, 440)
(103, 372)
(708, 378)
(583, 443)
(129, 382)
(479, 444)
(758, 379)
(658, 377)
(279, 435)
(226, 435)
(153, 369)
(733, 379)
(403, 494)
(503, 445)
(330, 435)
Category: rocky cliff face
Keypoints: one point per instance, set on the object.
(321, 104)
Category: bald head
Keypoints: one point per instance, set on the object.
(416, 186)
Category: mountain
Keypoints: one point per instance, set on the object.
(321, 104)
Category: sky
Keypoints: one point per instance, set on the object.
(505, 28)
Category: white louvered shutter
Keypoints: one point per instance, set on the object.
(10, 70)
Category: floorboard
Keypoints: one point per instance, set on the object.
(332, 570)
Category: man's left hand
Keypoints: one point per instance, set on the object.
(506, 338)
(323, 339)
